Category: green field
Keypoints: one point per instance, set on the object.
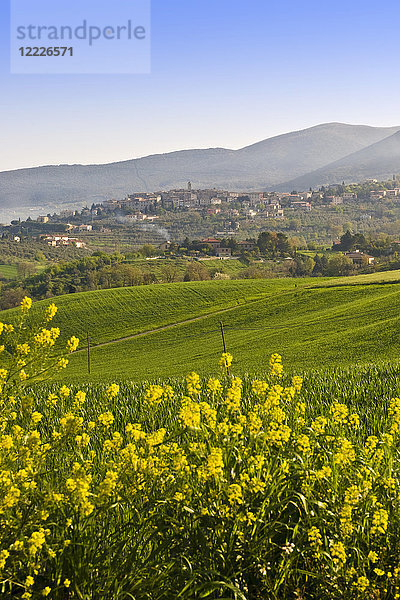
(8, 271)
(167, 330)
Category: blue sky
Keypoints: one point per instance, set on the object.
(224, 73)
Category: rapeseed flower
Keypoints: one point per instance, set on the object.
(226, 360)
(26, 304)
(189, 413)
(193, 384)
(215, 463)
(380, 520)
(234, 494)
(106, 419)
(214, 386)
(315, 538)
(72, 344)
(338, 412)
(338, 554)
(51, 312)
(154, 394)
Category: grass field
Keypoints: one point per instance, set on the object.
(8, 271)
(115, 313)
(318, 323)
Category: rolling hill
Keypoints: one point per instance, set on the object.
(167, 330)
(265, 165)
(382, 158)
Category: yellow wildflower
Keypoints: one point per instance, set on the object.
(226, 360)
(23, 349)
(79, 399)
(338, 412)
(297, 383)
(36, 541)
(64, 391)
(36, 417)
(193, 384)
(214, 386)
(379, 521)
(235, 494)
(47, 337)
(354, 421)
(345, 453)
(4, 554)
(50, 312)
(106, 419)
(362, 584)
(112, 391)
(338, 553)
(72, 344)
(215, 463)
(154, 394)
(190, 413)
(303, 443)
(26, 304)
(373, 556)
(315, 538)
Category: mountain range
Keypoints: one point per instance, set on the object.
(320, 155)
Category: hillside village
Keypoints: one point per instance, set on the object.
(314, 216)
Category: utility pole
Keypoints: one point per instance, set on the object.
(223, 336)
(223, 342)
(88, 352)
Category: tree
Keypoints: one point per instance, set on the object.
(169, 273)
(39, 256)
(148, 250)
(302, 266)
(346, 241)
(339, 266)
(25, 269)
(196, 272)
(11, 297)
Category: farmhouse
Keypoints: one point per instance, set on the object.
(359, 258)
(247, 246)
(224, 252)
(334, 200)
(301, 205)
(165, 246)
(213, 242)
(58, 240)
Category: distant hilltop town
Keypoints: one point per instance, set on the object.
(212, 199)
(321, 216)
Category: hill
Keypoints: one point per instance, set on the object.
(380, 160)
(167, 330)
(262, 166)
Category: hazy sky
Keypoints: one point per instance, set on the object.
(224, 73)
